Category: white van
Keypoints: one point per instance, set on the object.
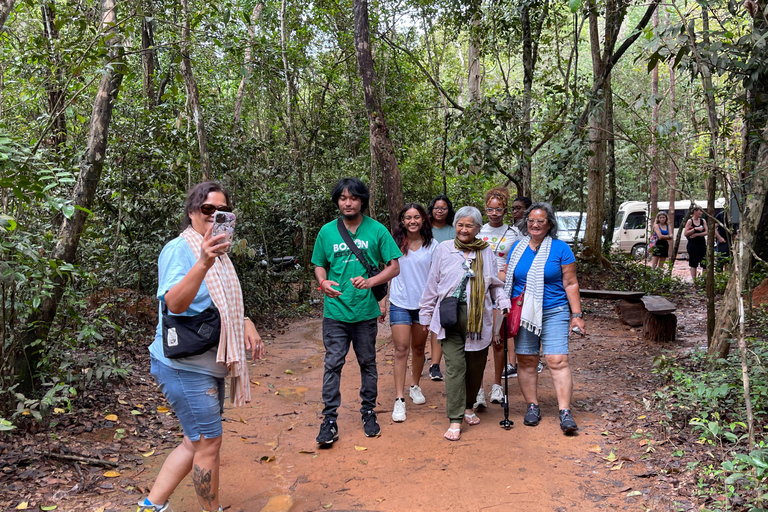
(633, 226)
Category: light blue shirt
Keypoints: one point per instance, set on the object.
(175, 261)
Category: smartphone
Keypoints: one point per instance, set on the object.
(224, 223)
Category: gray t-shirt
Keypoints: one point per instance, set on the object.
(444, 233)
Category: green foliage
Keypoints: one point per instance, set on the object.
(710, 400)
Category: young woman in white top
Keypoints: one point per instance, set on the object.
(500, 236)
(413, 234)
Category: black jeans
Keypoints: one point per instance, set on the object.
(337, 336)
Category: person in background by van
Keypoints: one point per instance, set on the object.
(696, 233)
(663, 236)
(722, 245)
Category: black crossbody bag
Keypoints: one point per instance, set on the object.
(380, 290)
(186, 336)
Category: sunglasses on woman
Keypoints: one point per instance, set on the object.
(208, 209)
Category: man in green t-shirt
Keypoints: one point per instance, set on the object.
(351, 310)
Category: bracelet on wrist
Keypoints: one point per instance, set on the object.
(577, 315)
(321, 284)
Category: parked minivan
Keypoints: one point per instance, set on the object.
(633, 226)
(566, 226)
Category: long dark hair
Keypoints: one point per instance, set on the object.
(400, 233)
(451, 212)
(196, 197)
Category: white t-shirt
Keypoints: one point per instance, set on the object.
(406, 289)
(500, 240)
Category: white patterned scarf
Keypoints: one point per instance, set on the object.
(533, 300)
(225, 291)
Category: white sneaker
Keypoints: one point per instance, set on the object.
(416, 395)
(497, 394)
(398, 413)
(480, 400)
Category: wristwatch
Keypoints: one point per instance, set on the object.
(577, 315)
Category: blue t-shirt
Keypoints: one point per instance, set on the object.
(176, 259)
(554, 292)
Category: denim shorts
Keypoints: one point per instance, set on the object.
(402, 316)
(556, 323)
(196, 398)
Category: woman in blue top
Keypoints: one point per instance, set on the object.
(195, 272)
(663, 236)
(545, 269)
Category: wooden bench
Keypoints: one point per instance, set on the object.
(654, 313)
(660, 322)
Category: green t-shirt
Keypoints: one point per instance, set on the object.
(341, 264)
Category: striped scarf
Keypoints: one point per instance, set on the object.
(533, 300)
(226, 294)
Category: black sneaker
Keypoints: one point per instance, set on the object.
(509, 371)
(566, 421)
(532, 415)
(434, 372)
(370, 425)
(329, 432)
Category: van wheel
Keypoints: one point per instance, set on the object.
(638, 251)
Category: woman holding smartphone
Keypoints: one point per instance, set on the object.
(194, 274)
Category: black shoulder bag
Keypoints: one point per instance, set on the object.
(186, 336)
(380, 290)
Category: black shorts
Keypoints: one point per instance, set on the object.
(697, 251)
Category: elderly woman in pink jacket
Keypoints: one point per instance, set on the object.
(457, 305)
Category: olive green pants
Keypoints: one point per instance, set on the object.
(463, 370)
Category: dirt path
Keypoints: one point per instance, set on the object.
(270, 461)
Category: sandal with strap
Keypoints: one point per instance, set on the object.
(471, 419)
(453, 434)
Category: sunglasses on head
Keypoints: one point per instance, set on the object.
(208, 209)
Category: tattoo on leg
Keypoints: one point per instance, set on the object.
(202, 480)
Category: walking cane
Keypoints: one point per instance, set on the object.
(506, 423)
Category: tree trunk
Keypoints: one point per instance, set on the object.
(379, 132)
(193, 96)
(611, 171)
(255, 15)
(754, 202)
(654, 130)
(672, 166)
(54, 85)
(6, 6)
(39, 323)
(148, 56)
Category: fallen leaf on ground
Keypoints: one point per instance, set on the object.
(329, 505)
(360, 448)
(306, 451)
(22, 506)
(643, 442)
(265, 458)
(634, 493)
(255, 382)
(136, 413)
(122, 402)
(611, 457)
(149, 453)
(50, 507)
(58, 410)
(617, 466)
(111, 417)
(594, 448)
(289, 372)
(162, 409)
(242, 420)
(112, 474)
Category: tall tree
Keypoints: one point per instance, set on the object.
(383, 148)
(148, 54)
(91, 165)
(6, 6)
(193, 94)
(54, 84)
(255, 15)
(655, 130)
(672, 163)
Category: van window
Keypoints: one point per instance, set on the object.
(619, 218)
(635, 220)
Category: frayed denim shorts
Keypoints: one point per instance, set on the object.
(196, 398)
(402, 316)
(555, 327)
